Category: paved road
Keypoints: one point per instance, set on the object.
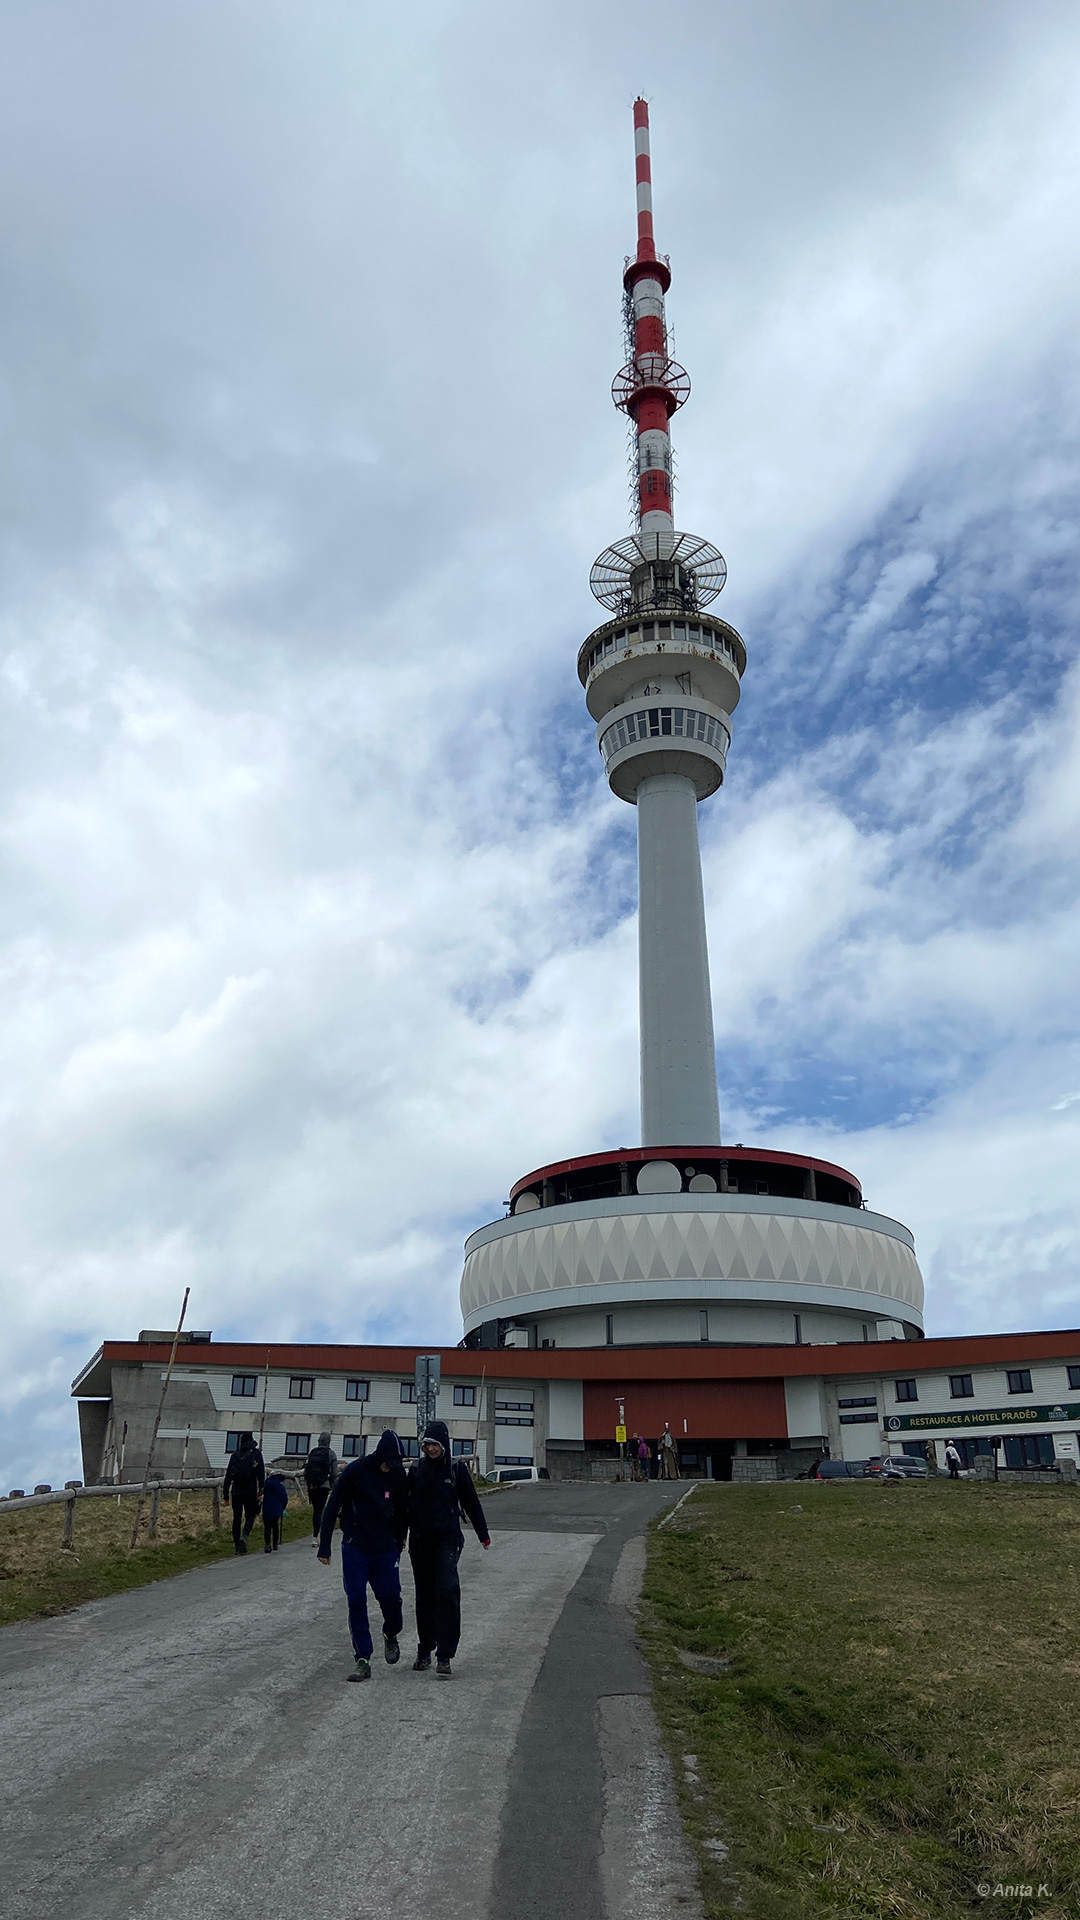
(189, 1751)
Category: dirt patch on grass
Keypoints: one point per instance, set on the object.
(38, 1578)
(894, 1728)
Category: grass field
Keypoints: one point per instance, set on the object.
(870, 1694)
(37, 1578)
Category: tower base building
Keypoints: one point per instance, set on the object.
(717, 1245)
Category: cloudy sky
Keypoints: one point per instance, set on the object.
(316, 926)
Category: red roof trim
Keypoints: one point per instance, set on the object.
(633, 1156)
(621, 1363)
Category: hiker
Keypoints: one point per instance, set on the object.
(372, 1498)
(244, 1478)
(669, 1458)
(320, 1472)
(953, 1460)
(274, 1502)
(439, 1487)
(634, 1457)
(643, 1457)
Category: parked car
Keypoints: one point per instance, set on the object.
(529, 1474)
(904, 1466)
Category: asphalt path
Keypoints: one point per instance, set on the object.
(189, 1750)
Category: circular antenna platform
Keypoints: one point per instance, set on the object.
(651, 373)
(611, 573)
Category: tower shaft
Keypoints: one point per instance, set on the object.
(679, 1103)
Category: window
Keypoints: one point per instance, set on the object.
(513, 1459)
(353, 1447)
(232, 1441)
(513, 1413)
(1074, 1376)
(907, 1389)
(407, 1396)
(865, 1400)
(301, 1389)
(857, 1419)
(1029, 1449)
(410, 1446)
(1019, 1380)
(685, 722)
(798, 1329)
(703, 1325)
(358, 1389)
(243, 1386)
(462, 1449)
(609, 1329)
(297, 1443)
(961, 1386)
(464, 1396)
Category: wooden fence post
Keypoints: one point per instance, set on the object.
(217, 1506)
(68, 1536)
(155, 1502)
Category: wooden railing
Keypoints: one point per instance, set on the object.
(68, 1496)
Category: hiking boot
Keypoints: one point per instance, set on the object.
(391, 1650)
(361, 1670)
(241, 1546)
(443, 1670)
(422, 1662)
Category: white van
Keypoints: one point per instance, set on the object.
(502, 1474)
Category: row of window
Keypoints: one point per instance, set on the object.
(676, 633)
(302, 1387)
(682, 723)
(961, 1387)
(353, 1446)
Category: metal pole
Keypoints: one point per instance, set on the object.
(262, 1412)
(157, 1421)
(479, 1417)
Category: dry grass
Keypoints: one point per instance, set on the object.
(895, 1722)
(38, 1578)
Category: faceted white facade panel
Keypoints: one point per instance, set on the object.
(692, 1249)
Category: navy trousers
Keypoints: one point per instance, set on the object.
(438, 1593)
(380, 1570)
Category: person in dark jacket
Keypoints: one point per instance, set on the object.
(320, 1472)
(245, 1477)
(275, 1501)
(372, 1498)
(439, 1488)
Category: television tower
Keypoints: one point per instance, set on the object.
(661, 681)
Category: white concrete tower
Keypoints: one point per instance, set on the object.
(661, 680)
(680, 1241)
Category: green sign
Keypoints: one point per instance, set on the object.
(993, 1417)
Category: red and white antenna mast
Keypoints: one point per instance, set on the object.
(662, 680)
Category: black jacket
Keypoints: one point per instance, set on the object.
(438, 1492)
(245, 1470)
(373, 1505)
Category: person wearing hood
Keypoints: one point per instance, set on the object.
(275, 1501)
(243, 1485)
(320, 1472)
(439, 1488)
(371, 1497)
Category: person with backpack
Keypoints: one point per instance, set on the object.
(320, 1472)
(439, 1488)
(371, 1496)
(275, 1501)
(245, 1477)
